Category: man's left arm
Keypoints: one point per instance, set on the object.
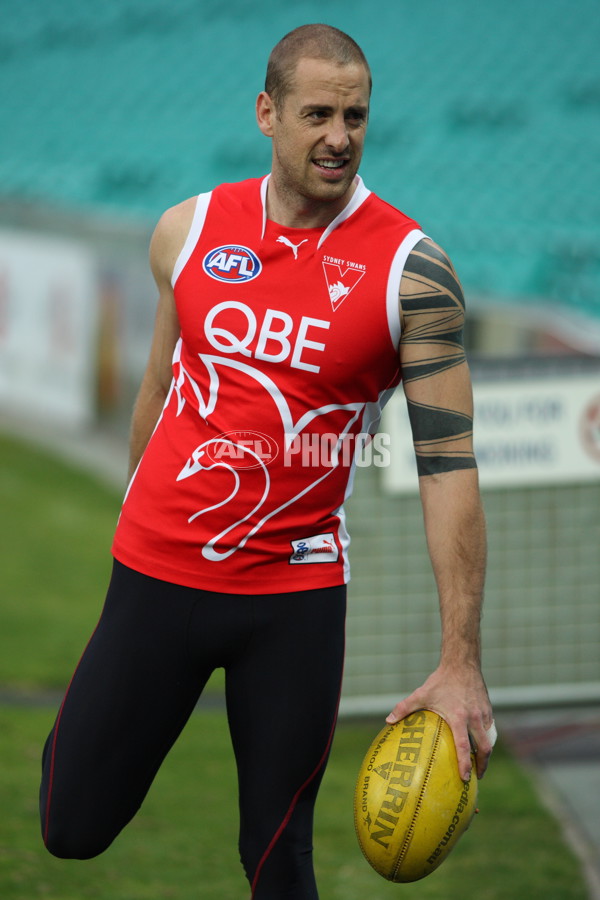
(438, 392)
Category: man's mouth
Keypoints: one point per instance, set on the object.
(331, 166)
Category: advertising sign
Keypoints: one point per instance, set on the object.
(48, 309)
(527, 432)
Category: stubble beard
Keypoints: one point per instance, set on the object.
(293, 187)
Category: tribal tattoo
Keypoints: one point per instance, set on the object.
(434, 362)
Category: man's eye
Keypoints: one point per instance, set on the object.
(355, 118)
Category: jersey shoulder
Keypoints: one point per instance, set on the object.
(389, 213)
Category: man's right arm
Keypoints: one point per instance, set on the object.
(165, 246)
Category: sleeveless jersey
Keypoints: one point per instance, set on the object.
(288, 352)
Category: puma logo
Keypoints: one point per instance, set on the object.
(294, 247)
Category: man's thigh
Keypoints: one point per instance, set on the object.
(283, 695)
(131, 694)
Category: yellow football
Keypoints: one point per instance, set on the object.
(411, 805)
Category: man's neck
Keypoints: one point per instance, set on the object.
(294, 211)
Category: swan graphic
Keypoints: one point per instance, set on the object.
(217, 453)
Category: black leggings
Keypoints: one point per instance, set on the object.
(136, 685)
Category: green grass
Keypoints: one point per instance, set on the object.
(55, 556)
(182, 844)
(55, 563)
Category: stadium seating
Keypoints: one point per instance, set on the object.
(485, 119)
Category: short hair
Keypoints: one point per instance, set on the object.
(309, 42)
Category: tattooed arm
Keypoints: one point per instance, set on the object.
(438, 392)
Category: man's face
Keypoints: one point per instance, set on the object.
(319, 130)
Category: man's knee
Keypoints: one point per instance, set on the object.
(74, 843)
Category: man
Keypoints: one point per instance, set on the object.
(288, 306)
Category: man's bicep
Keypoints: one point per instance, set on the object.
(436, 377)
(165, 247)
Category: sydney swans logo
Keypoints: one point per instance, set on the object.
(221, 451)
(341, 277)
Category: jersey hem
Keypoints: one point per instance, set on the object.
(277, 585)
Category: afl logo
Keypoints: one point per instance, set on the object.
(232, 264)
(242, 450)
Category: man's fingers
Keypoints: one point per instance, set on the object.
(403, 709)
(483, 741)
(463, 753)
(469, 737)
(396, 714)
(459, 731)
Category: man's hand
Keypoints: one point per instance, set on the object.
(461, 698)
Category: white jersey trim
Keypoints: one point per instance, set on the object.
(369, 425)
(358, 198)
(263, 199)
(344, 540)
(393, 285)
(193, 236)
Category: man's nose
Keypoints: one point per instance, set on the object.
(337, 135)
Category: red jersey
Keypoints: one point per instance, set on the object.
(288, 352)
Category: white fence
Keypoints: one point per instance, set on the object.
(541, 626)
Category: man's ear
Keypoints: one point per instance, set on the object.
(265, 113)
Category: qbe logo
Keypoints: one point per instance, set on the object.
(232, 264)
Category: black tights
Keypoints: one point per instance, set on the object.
(136, 685)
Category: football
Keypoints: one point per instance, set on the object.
(410, 803)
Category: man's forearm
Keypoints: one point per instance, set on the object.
(147, 410)
(456, 537)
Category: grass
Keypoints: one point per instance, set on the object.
(182, 845)
(183, 842)
(57, 528)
